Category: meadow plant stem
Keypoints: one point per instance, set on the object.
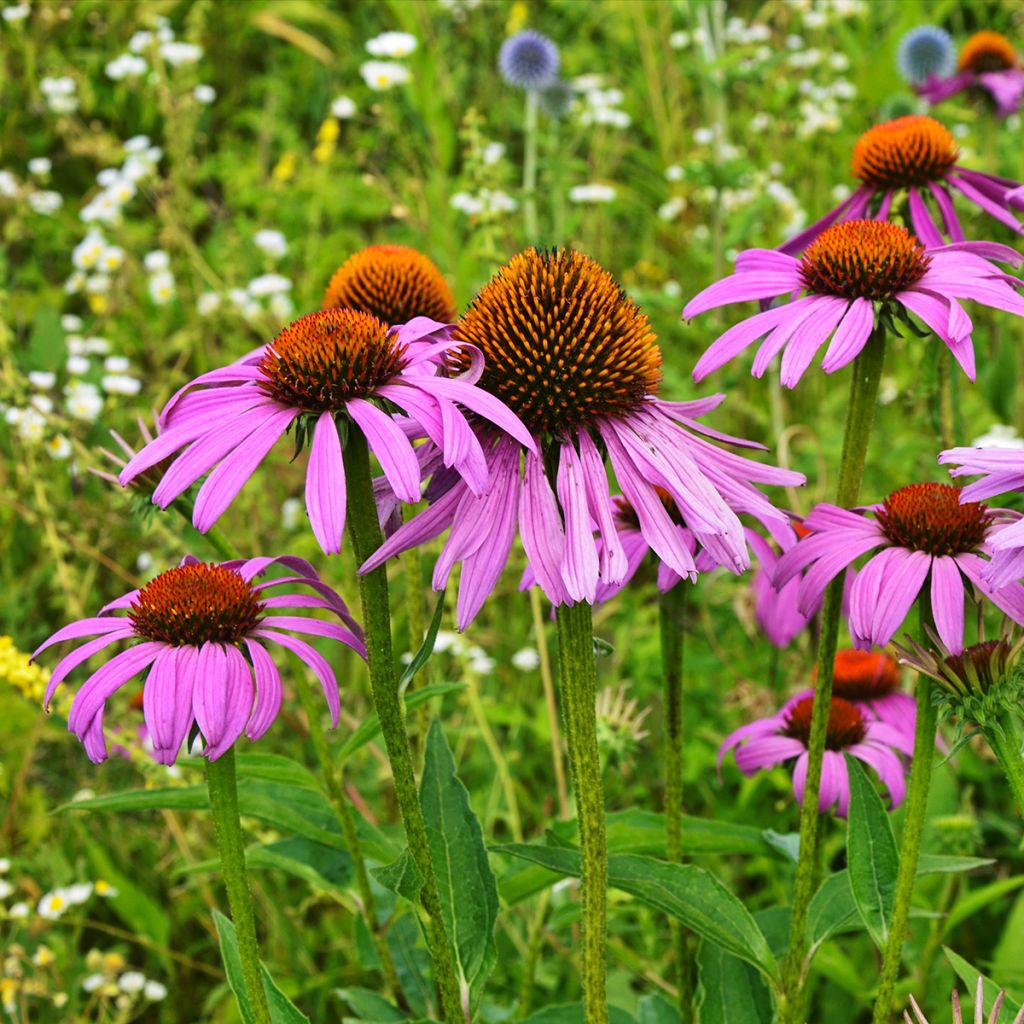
(672, 617)
(947, 429)
(867, 371)
(548, 683)
(334, 780)
(535, 940)
(364, 533)
(530, 167)
(910, 846)
(578, 681)
(220, 778)
(1005, 741)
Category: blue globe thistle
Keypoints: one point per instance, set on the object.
(528, 60)
(925, 51)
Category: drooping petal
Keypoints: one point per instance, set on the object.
(612, 556)
(81, 654)
(223, 697)
(541, 530)
(579, 557)
(392, 448)
(744, 287)
(851, 335)
(268, 690)
(167, 701)
(105, 680)
(325, 485)
(314, 660)
(948, 603)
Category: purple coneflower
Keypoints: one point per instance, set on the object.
(927, 538)
(988, 61)
(776, 611)
(578, 363)
(1002, 470)
(916, 154)
(204, 630)
(327, 370)
(847, 270)
(979, 1008)
(783, 738)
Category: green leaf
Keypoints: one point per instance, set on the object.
(656, 1009)
(367, 1005)
(733, 992)
(832, 911)
(274, 768)
(1009, 953)
(469, 894)
(939, 864)
(46, 349)
(282, 1009)
(871, 854)
(370, 728)
(401, 876)
(317, 864)
(422, 656)
(969, 976)
(572, 1013)
(691, 894)
(978, 899)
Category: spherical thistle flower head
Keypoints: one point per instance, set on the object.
(925, 52)
(924, 537)
(330, 371)
(201, 634)
(528, 60)
(958, 1016)
(576, 360)
(1001, 471)
(784, 737)
(916, 157)
(848, 274)
(394, 283)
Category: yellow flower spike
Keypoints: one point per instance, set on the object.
(98, 304)
(517, 15)
(284, 169)
(329, 130)
(323, 152)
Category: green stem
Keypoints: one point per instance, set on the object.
(364, 533)
(534, 943)
(1005, 740)
(220, 778)
(334, 781)
(672, 617)
(867, 371)
(947, 430)
(910, 846)
(578, 681)
(530, 167)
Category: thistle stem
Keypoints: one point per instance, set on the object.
(223, 787)
(910, 846)
(578, 681)
(530, 167)
(867, 371)
(1005, 740)
(672, 615)
(364, 532)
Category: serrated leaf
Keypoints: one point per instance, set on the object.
(689, 893)
(401, 876)
(469, 894)
(871, 854)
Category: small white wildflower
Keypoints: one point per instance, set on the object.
(8, 185)
(446, 640)
(291, 513)
(592, 193)
(78, 893)
(204, 94)
(144, 562)
(40, 165)
(112, 258)
(672, 288)
(97, 284)
(75, 283)
(343, 108)
(161, 287)
(674, 172)
(18, 911)
(131, 982)
(45, 203)
(108, 176)
(91, 982)
(381, 75)
(117, 364)
(44, 380)
(526, 659)
(70, 322)
(207, 303)
(155, 991)
(156, 260)
(137, 144)
(5, 865)
(95, 345)
(140, 41)
(704, 136)
(5, 889)
(999, 435)
(52, 905)
(281, 306)
(466, 203)
(127, 65)
(14, 13)
(492, 152)
(268, 284)
(391, 44)
(679, 40)
(42, 404)
(177, 53)
(671, 209)
(31, 425)
(120, 384)
(84, 405)
(58, 447)
(271, 242)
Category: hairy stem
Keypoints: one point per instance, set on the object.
(867, 371)
(364, 532)
(1005, 740)
(220, 778)
(578, 681)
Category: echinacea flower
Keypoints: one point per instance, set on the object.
(1001, 471)
(783, 738)
(928, 539)
(528, 61)
(925, 52)
(327, 370)
(394, 283)
(776, 610)
(988, 62)
(203, 632)
(848, 270)
(578, 363)
(917, 155)
(958, 1016)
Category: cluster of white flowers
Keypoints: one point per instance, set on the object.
(161, 41)
(94, 260)
(118, 185)
(672, 208)
(473, 658)
(161, 285)
(56, 903)
(595, 192)
(270, 242)
(487, 202)
(60, 94)
(599, 105)
(275, 289)
(381, 75)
